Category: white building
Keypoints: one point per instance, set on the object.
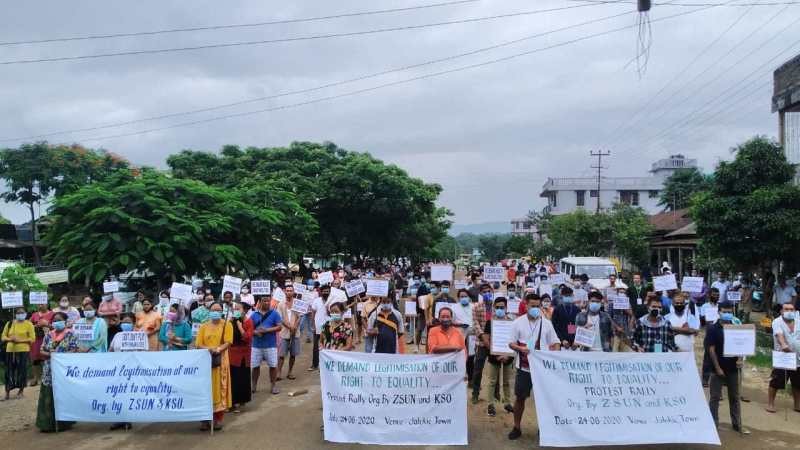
(524, 227)
(565, 195)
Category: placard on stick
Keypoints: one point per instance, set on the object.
(110, 286)
(354, 288)
(410, 308)
(325, 278)
(441, 272)
(231, 284)
(377, 287)
(37, 298)
(692, 284)
(181, 291)
(665, 283)
(260, 287)
(11, 299)
(493, 273)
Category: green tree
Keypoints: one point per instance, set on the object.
(630, 232)
(580, 233)
(681, 186)
(518, 245)
(749, 214)
(491, 245)
(172, 227)
(18, 278)
(35, 171)
(4, 221)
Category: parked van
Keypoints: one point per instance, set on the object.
(598, 270)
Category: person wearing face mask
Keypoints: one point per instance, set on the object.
(444, 338)
(175, 332)
(239, 355)
(564, 318)
(149, 321)
(99, 342)
(112, 323)
(442, 298)
(200, 314)
(547, 307)
(17, 337)
(320, 318)
(216, 336)
(41, 325)
(463, 313)
(684, 323)
(722, 285)
(246, 296)
(163, 303)
(726, 369)
(289, 344)
(786, 338)
(499, 366)
(266, 325)
(60, 339)
(599, 322)
(71, 312)
(653, 332)
(487, 298)
(385, 325)
(115, 345)
(479, 319)
(530, 332)
(227, 304)
(336, 333)
(109, 306)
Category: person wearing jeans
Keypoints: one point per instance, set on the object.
(725, 370)
(499, 366)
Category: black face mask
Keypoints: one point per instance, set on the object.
(679, 308)
(654, 312)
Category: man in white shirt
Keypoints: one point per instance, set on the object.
(786, 336)
(784, 293)
(531, 331)
(684, 323)
(722, 285)
(320, 317)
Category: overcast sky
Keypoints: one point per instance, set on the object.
(490, 135)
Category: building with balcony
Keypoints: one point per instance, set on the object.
(786, 102)
(524, 227)
(565, 195)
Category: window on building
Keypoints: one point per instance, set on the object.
(593, 193)
(554, 199)
(652, 194)
(580, 198)
(629, 197)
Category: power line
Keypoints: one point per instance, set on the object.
(233, 26)
(291, 39)
(320, 87)
(628, 2)
(394, 83)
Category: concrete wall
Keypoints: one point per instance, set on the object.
(567, 201)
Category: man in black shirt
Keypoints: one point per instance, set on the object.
(725, 369)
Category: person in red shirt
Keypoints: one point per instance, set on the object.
(445, 338)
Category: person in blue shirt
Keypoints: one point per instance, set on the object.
(175, 333)
(564, 317)
(266, 325)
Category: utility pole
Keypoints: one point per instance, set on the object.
(599, 167)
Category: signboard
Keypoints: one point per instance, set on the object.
(300, 306)
(325, 278)
(621, 302)
(599, 398)
(410, 308)
(665, 283)
(53, 277)
(740, 340)
(460, 284)
(580, 295)
(692, 284)
(195, 329)
(279, 295)
(133, 341)
(231, 284)
(545, 288)
(441, 272)
(353, 288)
(261, 287)
(83, 331)
(37, 298)
(388, 399)
(584, 337)
(501, 337)
(784, 360)
(12, 299)
(132, 386)
(734, 296)
(336, 296)
(181, 291)
(494, 273)
(513, 306)
(377, 288)
(557, 278)
(110, 286)
(299, 288)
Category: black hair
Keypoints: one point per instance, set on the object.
(595, 294)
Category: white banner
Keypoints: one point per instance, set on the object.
(598, 398)
(133, 386)
(388, 399)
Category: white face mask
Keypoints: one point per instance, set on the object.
(63, 304)
(245, 291)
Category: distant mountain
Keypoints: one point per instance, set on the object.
(479, 228)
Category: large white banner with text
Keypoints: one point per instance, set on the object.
(598, 398)
(133, 386)
(389, 399)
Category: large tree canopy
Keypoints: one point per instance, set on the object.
(174, 227)
(749, 216)
(681, 186)
(363, 206)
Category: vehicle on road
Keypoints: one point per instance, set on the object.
(597, 269)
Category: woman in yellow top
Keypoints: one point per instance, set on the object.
(211, 337)
(149, 321)
(18, 336)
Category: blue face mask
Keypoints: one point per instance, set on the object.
(126, 326)
(464, 301)
(726, 317)
(445, 290)
(500, 312)
(434, 290)
(534, 312)
(215, 315)
(487, 296)
(566, 299)
(594, 307)
(59, 325)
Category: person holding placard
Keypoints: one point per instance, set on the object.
(240, 354)
(149, 321)
(564, 317)
(175, 332)
(336, 333)
(598, 322)
(41, 325)
(530, 332)
(684, 322)
(368, 306)
(499, 365)
(290, 338)
(786, 335)
(385, 325)
(125, 324)
(99, 342)
(17, 337)
(726, 369)
(60, 339)
(653, 332)
(245, 296)
(709, 314)
(216, 336)
(637, 294)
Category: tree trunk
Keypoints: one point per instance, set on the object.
(36, 259)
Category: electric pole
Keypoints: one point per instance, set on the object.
(599, 167)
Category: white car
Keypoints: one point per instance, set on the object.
(597, 269)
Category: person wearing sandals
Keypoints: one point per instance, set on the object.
(290, 339)
(18, 335)
(59, 340)
(216, 336)
(266, 325)
(126, 324)
(240, 355)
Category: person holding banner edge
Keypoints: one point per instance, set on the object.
(216, 336)
(126, 324)
(59, 340)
